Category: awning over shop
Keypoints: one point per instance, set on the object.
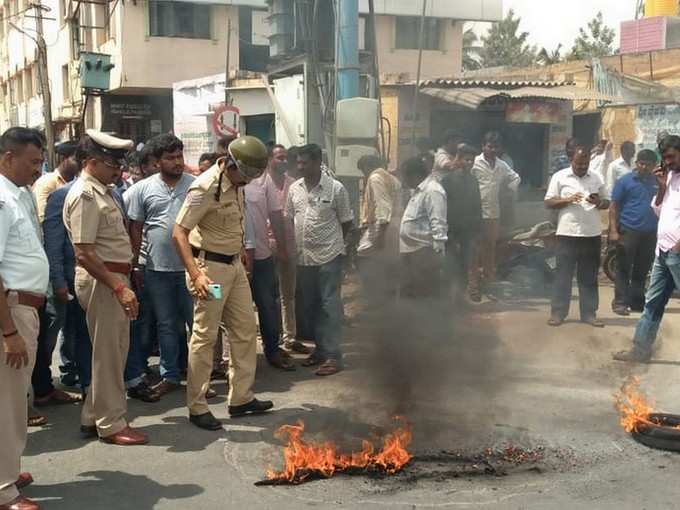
(473, 97)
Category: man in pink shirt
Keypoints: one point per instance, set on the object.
(279, 168)
(666, 272)
(264, 209)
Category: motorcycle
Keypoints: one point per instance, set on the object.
(527, 261)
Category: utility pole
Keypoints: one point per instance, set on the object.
(421, 43)
(43, 76)
(376, 74)
(226, 71)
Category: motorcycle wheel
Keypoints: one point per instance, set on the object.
(609, 265)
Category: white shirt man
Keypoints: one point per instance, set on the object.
(577, 194)
(423, 233)
(24, 272)
(424, 224)
(620, 167)
(580, 219)
(492, 179)
(617, 169)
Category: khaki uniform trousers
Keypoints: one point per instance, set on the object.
(14, 386)
(286, 272)
(109, 327)
(235, 309)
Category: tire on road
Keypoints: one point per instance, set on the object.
(662, 436)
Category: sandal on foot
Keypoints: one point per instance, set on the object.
(312, 361)
(329, 367)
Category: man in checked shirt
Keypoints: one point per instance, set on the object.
(320, 208)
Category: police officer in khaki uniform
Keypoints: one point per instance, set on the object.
(96, 226)
(24, 276)
(209, 238)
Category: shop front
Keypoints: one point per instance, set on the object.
(136, 117)
(534, 118)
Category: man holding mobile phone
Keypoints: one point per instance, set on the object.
(666, 270)
(209, 237)
(578, 194)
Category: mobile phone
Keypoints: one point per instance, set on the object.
(215, 290)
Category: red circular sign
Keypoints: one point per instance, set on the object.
(226, 120)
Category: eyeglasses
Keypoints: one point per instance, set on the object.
(117, 165)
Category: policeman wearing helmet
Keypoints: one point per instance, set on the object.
(208, 235)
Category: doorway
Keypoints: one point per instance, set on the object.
(261, 126)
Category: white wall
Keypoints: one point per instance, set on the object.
(470, 10)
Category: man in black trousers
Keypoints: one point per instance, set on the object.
(578, 195)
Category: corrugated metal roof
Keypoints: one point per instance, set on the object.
(474, 97)
(494, 84)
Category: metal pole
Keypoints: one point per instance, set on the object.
(226, 71)
(83, 112)
(376, 72)
(421, 43)
(45, 86)
(348, 49)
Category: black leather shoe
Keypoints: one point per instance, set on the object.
(144, 393)
(205, 421)
(88, 431)
(253, 407)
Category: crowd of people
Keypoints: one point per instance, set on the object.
(121, 252)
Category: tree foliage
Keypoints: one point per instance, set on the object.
(505, 45)
(595, 40)
(546, 57)
(471, 51)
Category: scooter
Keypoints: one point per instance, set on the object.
(528, 262)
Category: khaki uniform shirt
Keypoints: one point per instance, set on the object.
(215, 225)
(92, 216)
(43, 188)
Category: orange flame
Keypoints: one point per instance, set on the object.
(633, 405)
(302, 459)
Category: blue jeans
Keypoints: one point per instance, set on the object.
(75, 346)
(665, 279)
(172, 306)
(265, 288)
(318, 293)
(75, 327)
(142, 335)
(51, 321)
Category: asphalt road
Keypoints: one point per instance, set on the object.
(496, 377)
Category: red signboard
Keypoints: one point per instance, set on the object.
(226, 120)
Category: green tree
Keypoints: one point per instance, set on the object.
(595, 40)
(547, 57)
(504, 45)
(471, 49)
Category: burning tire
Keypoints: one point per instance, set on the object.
(663, 433)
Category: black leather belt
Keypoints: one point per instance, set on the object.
(212, 256)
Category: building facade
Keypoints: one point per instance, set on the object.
(155, 43)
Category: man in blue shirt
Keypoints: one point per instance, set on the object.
(152, 206)
(76, 345)
(632, 228)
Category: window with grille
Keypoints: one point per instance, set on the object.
(179, 19)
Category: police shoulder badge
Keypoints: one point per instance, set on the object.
(195, 197)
